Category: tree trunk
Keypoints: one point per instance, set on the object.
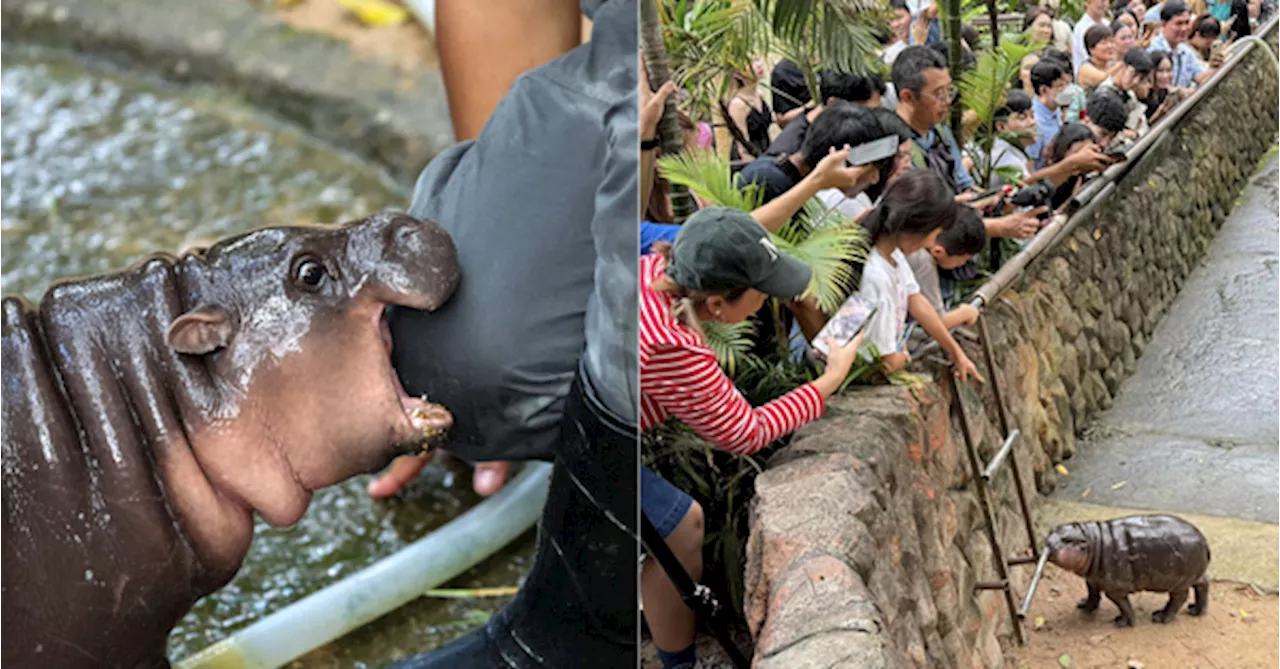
(995, 24)
(659, 70)
(955, 52)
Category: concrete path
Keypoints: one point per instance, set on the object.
(1195, 430)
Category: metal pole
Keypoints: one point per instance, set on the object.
(1004, 426)
(984, 502)
(1035, 583)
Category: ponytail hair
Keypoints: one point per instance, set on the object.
(685, 309)
(917, 203)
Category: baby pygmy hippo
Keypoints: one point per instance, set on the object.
(1126, 555)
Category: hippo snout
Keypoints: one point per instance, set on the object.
(411, 261)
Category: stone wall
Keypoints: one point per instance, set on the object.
(866, 536)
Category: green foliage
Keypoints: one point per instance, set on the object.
(708, 176)
(982, 90)
(708, 40)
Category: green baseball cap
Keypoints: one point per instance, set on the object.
(725, 249)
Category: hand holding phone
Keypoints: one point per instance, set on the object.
(847, 323)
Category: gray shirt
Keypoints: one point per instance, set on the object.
(925, 269)
(542, 207)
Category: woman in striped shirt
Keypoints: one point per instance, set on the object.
(721, 268)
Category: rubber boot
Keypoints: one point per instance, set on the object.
(577, 608)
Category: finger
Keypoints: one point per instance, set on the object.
(490, 477)
(402, 470)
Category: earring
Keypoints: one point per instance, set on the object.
(717, 313)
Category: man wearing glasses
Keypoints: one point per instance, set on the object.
(925, 95)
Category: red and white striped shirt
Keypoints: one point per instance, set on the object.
(679, 377)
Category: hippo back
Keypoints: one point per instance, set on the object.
(1150, 552)
(95, 567)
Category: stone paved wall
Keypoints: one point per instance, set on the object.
(866, 536)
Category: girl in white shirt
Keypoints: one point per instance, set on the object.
(908, 218)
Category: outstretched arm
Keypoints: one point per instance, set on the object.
(476, 75)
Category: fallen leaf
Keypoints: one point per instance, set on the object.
(1086, 493)
(1097, 234)
(468, 593)
(1039, 624)
(1119, 485)
(376, 13)
(1064, 660)
(1060, 469)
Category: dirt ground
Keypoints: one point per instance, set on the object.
(1239, 631)
(408, 45)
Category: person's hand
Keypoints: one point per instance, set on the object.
(1216, 58)
(1088, 159)
(489, 477)
(968, 314)
(964, 368)
(981, 205)
(652, 102)
(1022, 225)
(840, 358)
(831, 172)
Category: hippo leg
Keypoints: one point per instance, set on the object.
(1090, 604)
(1176, 599)
(1121, 600)
(1202, 597)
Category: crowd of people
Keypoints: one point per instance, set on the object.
(1087, 90)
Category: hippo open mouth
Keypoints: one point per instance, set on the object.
(427, 421)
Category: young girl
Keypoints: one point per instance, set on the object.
(914, 208)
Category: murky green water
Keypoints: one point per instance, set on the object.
(100, 168)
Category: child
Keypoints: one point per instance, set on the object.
(954, 247)
(907, 219)
(1015, 117)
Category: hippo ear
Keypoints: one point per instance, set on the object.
(202, 330)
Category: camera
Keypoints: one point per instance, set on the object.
(1034, 195)
(1025, 198)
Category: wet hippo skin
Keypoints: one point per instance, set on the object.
(148, 414)
(1132, 554)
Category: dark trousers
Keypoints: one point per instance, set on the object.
(578, 606)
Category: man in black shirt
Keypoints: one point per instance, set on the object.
(790, 92)
(863, 90)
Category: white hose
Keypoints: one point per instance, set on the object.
(387, 585)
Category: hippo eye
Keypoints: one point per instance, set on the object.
(308, 272)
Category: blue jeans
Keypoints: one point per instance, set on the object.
(662, 503)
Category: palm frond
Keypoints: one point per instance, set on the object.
(983, 89)
(825, 239)
(731, 342)
(709, 177)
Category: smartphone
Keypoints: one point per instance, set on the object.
(873, 151)
(851, 319)
(1116, 153)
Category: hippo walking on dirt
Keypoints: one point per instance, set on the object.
(1135, 553)
(149, 413)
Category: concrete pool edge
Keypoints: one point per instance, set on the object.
(394, 118)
